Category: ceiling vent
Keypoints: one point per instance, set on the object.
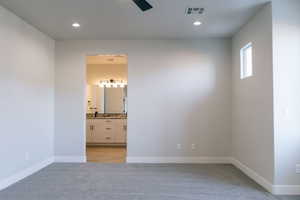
(194, 11)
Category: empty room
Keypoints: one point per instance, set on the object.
(150, 99)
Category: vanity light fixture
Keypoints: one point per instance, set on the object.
(108, 85)
(122, 84)
(112, 83)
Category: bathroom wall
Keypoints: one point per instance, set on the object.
(98, 72)
(179, 94)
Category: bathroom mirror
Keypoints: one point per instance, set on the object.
(106, 100)
(114, 100)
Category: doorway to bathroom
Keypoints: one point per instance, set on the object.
(106, 111)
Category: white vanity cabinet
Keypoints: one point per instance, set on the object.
(106, 131)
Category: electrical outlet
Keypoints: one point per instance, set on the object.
(178, 146)
(193, 146)
(298, 169)
(27, 156)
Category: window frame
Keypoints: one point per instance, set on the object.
(244, 68)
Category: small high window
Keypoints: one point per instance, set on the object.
(246, 61)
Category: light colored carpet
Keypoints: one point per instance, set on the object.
(93, 181)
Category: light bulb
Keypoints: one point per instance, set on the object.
(197, 23)
(76, 25)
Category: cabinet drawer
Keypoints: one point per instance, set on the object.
(111, 123)
(105, 122)
(106, 138)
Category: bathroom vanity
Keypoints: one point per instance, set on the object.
(106, 119)
(106, 130)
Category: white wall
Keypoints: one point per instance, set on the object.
(286, 31)
(27, 95)
(178, 92)
(252, 98)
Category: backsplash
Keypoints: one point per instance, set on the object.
(106, 116)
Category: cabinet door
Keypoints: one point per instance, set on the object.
(98, 131)
(89, 131)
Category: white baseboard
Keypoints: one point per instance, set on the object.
(70, 159)
(286, 189)
(253, 175)
(24, 173)
(35, 168)
(203, 160)
(274, 189)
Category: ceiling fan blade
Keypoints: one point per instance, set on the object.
(143, 4)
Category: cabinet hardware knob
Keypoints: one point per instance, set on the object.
(108, 128)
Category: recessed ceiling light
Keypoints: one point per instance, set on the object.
(197, 23)
(76, 25)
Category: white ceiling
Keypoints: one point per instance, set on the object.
(122, 19)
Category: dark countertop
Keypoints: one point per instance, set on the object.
(106, 116)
